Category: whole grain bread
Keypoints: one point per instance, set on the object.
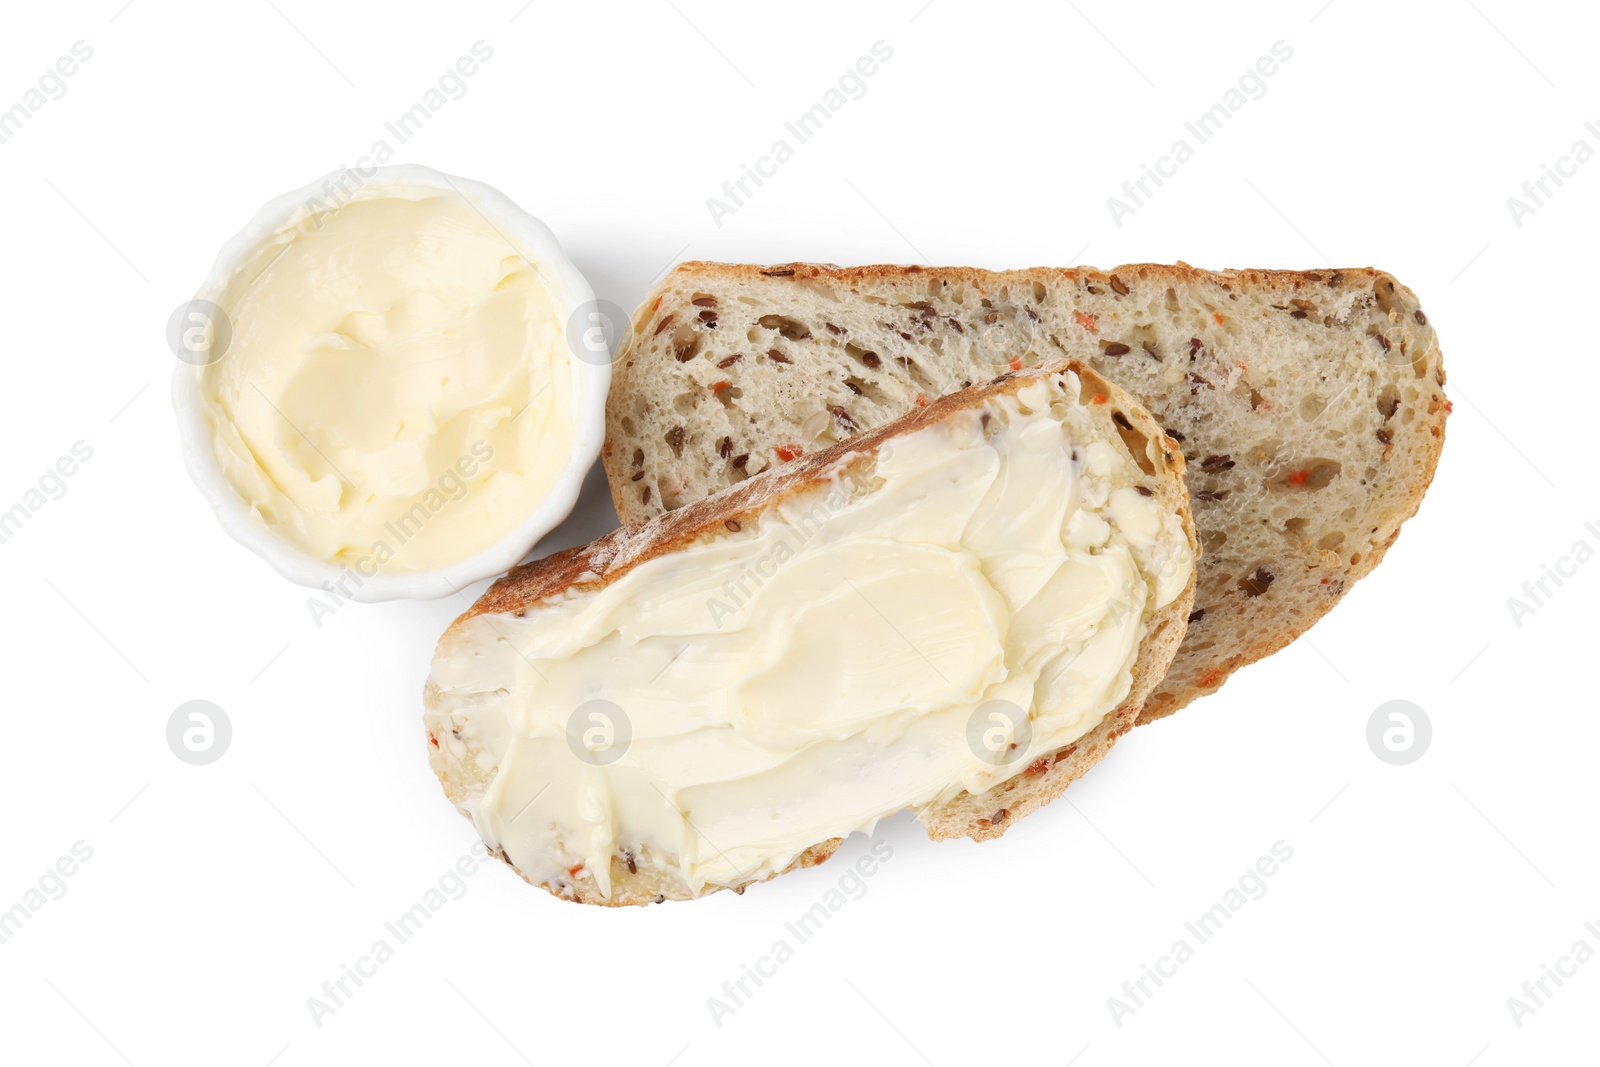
(639, 878)
(1310, 404)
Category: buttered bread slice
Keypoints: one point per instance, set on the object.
(956, 613)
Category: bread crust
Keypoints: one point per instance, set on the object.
(980, 817)
(1183, 686)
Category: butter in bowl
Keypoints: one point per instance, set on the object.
(377, 388)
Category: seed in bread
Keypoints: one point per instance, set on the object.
(956, 613)
(1310, 405)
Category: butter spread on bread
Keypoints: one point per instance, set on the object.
(923, 617)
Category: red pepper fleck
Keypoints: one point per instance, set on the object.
(572, 872)
(434, 741)
(1086, 321)
(1016, 363)
(1211, 678)
(1218, 316)
(719, 387)
(1038, 766)
(656, 306)
(788, 452)
(1100, 398)
(922, 401)
(1299, 477)
(1449, 406)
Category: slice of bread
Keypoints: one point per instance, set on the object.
(499, 707)
(1310, 404)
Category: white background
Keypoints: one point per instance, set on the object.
(219, 898)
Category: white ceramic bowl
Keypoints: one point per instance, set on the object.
(591, 379)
